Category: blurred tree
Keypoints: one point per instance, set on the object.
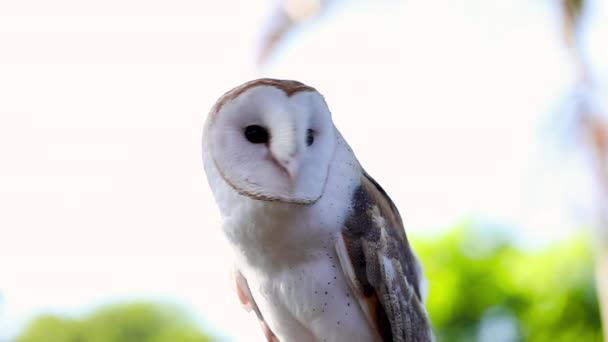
(484, 289)
(594, 130)
(142, 322)
(286, 16)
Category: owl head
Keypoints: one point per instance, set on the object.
(272, 140)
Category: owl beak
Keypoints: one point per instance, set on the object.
(291, 168)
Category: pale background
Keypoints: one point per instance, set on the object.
(102, 192)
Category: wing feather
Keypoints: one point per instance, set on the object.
(383, 272)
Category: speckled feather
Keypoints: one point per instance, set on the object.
(336, 269)
(386, 274)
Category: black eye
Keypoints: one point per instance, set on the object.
(310, 138)
(256, 134)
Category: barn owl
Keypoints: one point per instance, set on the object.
(320, 253)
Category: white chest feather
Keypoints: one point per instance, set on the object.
(311, 302)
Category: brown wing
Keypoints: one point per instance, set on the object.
(383, 271)
(246, 299)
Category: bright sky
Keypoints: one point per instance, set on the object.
(102, 191)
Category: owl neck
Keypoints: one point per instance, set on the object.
(273, 236)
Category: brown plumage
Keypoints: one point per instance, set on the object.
(289, 87)
(246, 299)
(384, 273)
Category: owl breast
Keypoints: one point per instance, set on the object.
(311, 302)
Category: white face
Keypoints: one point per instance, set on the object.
(271, 146)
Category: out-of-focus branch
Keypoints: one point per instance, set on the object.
(285, 17)
(572, 10)
(595, 130)
(571, 18)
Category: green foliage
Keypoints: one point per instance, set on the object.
(481, 288)
(119, 323)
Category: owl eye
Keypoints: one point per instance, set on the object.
(310, 138)
(256, 134)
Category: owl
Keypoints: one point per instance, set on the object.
(320, 252)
